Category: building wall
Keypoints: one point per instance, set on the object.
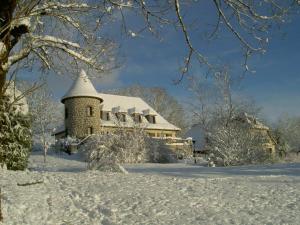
(269, 144)
(78, 122)
(150, 132)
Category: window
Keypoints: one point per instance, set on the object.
(90, 130)
(89, 111)
(151, 118)
(137, 118)
(66, 113)
(121, 117)
(117, 116)
(104, 115)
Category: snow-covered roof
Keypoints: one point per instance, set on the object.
(149, 111)
(198, 135)
(59, 129)
(134, 110)
(82, 87)
(126, 103)
(252, 121)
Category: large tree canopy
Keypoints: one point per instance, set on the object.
(55, 33)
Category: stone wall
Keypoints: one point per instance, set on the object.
(78, 121)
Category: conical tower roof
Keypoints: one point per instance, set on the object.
(81, 87)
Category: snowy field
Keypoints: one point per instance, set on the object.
(65, 193)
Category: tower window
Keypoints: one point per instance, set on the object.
(89, 111)
(66, 113)
(90, 130)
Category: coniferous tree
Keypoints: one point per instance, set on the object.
(15, 136)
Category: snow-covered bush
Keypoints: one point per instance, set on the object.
(15, 136)
(159, 152)
(235, 144)
(109, 150)
(118, 147)
(66, 144)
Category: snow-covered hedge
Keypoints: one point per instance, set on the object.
(109, 150)
(15, 136)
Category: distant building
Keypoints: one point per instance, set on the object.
(259, 128)
(201, 138)
(89, 112)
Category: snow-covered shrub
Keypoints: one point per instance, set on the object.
(112, 148)
(67, 145)
(109, 150)
(15, 136)
(158, 151)
(235, 144)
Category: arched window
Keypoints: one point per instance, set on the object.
(89, 111)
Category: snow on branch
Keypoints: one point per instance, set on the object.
(16, 58)
(48, 7)
(54, 40)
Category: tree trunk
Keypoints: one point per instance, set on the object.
(2, 80)
(7, 8)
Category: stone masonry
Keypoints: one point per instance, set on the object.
(78, 121)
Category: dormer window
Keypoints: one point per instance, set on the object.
(151, 118)
(104, 115)
(137, 118)
(89, 111)
(121, 117)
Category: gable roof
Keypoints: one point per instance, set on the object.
(81, 87)
(252, 121)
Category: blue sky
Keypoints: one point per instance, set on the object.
(150, 62)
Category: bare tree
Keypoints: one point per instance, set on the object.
(214, 98)
(288, 133)
(158, 98)
(68, 32)
(229, 131)
(46, 114)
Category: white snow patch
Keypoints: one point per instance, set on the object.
(168, 195)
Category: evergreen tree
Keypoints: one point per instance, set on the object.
(15, 136)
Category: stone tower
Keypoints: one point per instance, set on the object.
(82, 108)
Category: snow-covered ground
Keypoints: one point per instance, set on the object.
(150, 194)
